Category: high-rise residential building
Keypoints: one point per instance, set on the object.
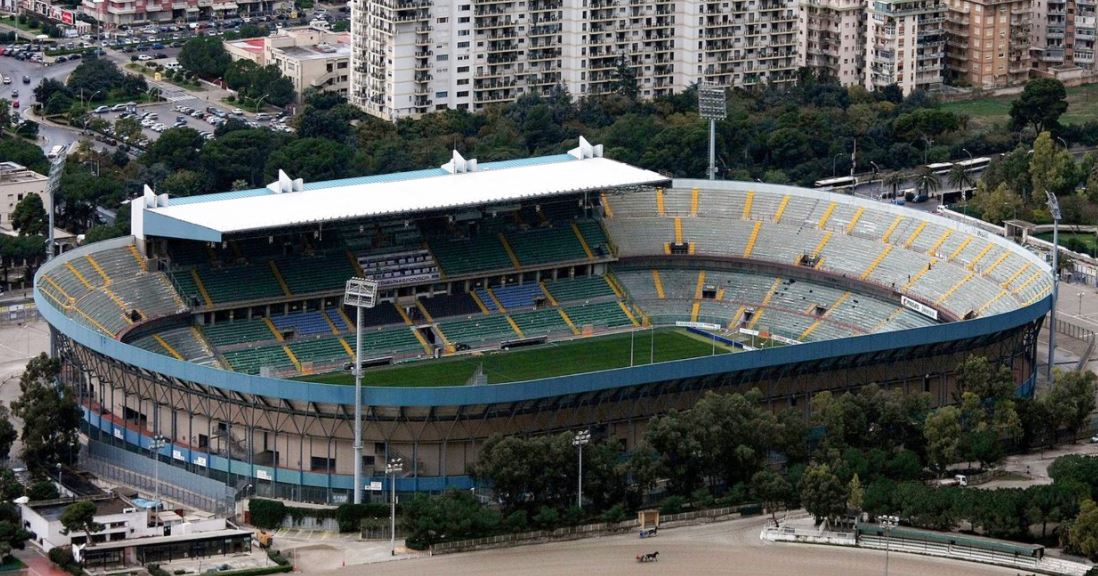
(832, 38)
(987, 42)
(905, 44)
(415, 56)
(1063, 35)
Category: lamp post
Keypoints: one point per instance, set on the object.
(712, 106)
(360, 293)
(155, 445)
(1080, 295)
(395, 466)
(888, 523)
(579, 441)
(876, 173)
(1054, 209)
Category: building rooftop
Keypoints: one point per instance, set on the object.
(10, 172)
(317, 51)
(459, 183)
(52, 509)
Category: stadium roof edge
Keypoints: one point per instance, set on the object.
(293, 203)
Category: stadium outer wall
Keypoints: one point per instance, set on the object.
(270, 434)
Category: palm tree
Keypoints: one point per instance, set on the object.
(927, 181)
(960, 179)
(894, 181)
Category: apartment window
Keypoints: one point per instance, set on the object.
(463, 32)
(462, 69)
(464, 44)
(442, 20)
(437, 95)
(465, 7)
(463, 20)
(439, 58)
(463, 94)
(463, 82)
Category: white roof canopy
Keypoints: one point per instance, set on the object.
(294, 206)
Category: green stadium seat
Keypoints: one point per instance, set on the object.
(546, 245)
(475, 331)
(480, 254)
(595, 237)
(250, 360)
(306, 275)
(581, 288)
(238, 332)
(540, 322)
(235, 283)
(600, 315)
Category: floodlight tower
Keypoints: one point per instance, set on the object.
(1054, 209)
(579, 440)
(712, 107)
(359, 293)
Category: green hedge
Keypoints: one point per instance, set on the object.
(258, 571)
(266, 513)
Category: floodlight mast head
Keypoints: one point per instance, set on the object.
(712, 104)
(360, 293)
(1053, 205)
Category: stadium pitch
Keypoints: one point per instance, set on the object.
(556, 359)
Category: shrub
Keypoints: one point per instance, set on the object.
(672, 505)
(61, 555)
(156, 570)
(266, 513)
(701, 498)
(179, 572)
(547, 517)
(517, 521)
(574, 515)
(615, 514)
(278, 558)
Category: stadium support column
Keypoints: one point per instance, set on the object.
(57, 167)
(1054, 209)
(360, 293)
(712, 107)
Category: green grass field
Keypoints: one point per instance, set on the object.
(1082, 106)
(577, 356)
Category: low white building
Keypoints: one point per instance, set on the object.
(16, 183)
(121, 519)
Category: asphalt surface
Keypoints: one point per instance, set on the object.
(724, 548)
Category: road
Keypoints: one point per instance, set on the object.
(49, 135)
(726, 548)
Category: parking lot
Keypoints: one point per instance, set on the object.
(161, 116)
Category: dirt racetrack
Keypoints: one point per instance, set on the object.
(727, 548)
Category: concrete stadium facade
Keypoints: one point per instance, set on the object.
(268, 430)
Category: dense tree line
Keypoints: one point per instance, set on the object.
(873, 450)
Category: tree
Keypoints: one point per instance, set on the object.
(987, 381)
(80, 517)
(313, 159)
(856, 495)
(26, 153)
(94, 79)
(130, 128)
(43, 490)
(183, 183)
(1083, 536)
(1051, 168)
(893, 182)
(8, 434)
(772, 489)
(205, 56)
(50, 416)
(1040, 105)
(822, 493)
(927, 181)
(943, 434)
(998, 204)
(29, 217)
(960, 178)
(1072, 398)
(454, 515)
(176, 149)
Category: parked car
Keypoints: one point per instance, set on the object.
(14, 93)
(102, 109)
(26, 79)
(144, 57)
(14, 103)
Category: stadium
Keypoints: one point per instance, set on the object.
(515, 297)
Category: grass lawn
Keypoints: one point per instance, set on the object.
(1082, 106)
(137, 67)
(1087, 239)
(586, 355)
